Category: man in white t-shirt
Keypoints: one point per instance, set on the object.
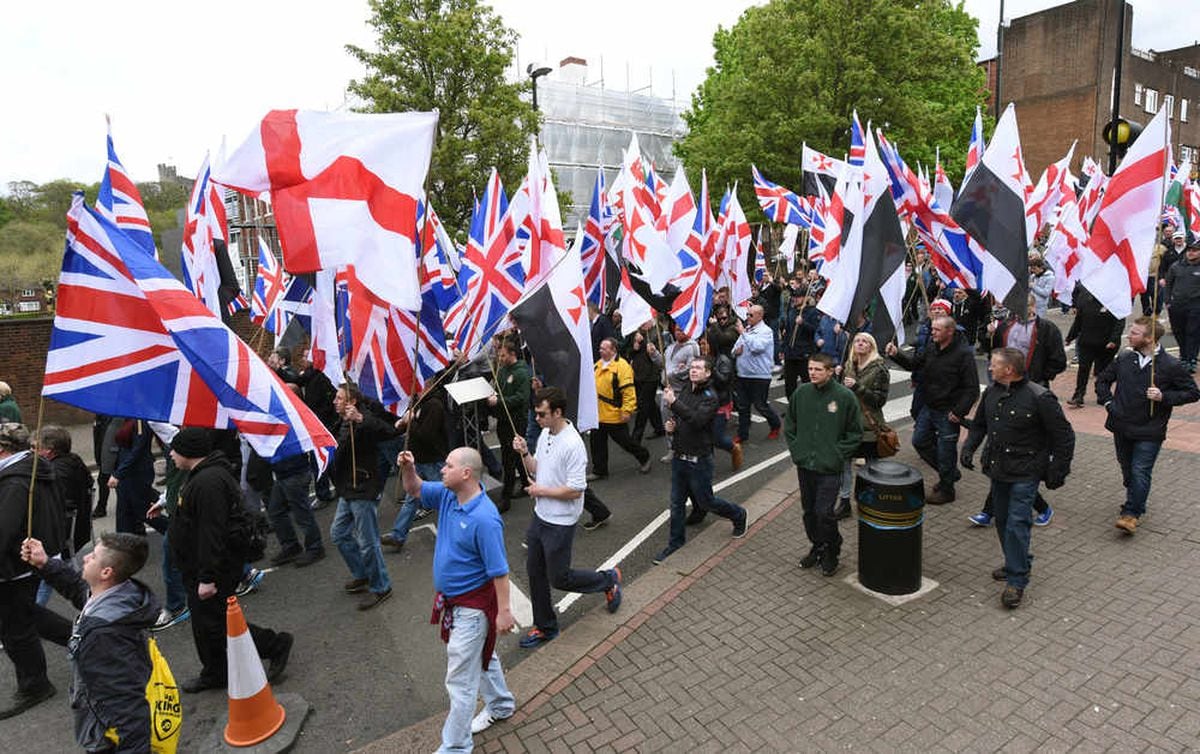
(558, 469)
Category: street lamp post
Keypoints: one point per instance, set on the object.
(534, 75)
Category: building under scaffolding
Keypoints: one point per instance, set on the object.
(586, 126)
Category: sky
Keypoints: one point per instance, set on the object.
(176, 82)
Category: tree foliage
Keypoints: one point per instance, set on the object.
(793, 71)
(450, 56)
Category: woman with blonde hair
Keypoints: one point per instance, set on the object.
(867, 376)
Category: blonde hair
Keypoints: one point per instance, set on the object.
(5, 390)
(872, 355)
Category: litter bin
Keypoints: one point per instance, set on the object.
(891, 511)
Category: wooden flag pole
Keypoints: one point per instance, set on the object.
(1158, 240)
(33, 474)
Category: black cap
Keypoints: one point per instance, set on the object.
(192, 442)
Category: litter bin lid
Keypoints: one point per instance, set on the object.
(890, 473)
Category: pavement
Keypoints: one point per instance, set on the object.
(729, 646)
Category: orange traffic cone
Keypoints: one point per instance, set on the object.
(254, 715)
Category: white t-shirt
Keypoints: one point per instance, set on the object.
(561, 462)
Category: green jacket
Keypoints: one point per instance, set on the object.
(9, 411)
(823, 427)
(513, 384)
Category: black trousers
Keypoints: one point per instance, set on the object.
(548, 564)
(818, 494)
(647, 411)
(595, 506)
(514, 469)
(793, 369)
(18, 632)
(209, 630)
(1089, 358)
(620, 435)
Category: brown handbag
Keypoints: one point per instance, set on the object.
(887, 442)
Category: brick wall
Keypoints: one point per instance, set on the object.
(23, 346)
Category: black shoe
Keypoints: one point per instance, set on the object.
(662, 555)
(278, 661)
(739, 525)
(286, 556)
(1011, 596)
(373, 599)
(695, 517)
(811, 559)
(596, 523)
(999, 574)
(307, 558)
(829, 565)
(389, 540)
(355, 586)
(200, 683)
(23, 700)
(842, 509)
(99, 512)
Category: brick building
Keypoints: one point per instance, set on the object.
(1059, 68)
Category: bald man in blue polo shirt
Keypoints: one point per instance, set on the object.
(470, 573)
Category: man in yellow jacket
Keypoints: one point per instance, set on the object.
(618, 402)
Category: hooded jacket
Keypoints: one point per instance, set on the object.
(110, 663)
(48, 516)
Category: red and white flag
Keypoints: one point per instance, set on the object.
(1065, 248)
(344, 188)
(1123, 236)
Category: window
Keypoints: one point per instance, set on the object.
(1151, 104)
(1169, 103)
(1187, 154)
(1137, 93)
(29, 306)
(1183, 110)
(27, 293)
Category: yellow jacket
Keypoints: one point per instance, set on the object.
(619, 369)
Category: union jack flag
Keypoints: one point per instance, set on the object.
(380, 356)
(974, 149)
(858, 147)
(592, 249)
(120, 201)
(130, 340)
(492, 276)
(268, 287)
(691, 307)
(779, 204)
(296, 302)
(438, 261)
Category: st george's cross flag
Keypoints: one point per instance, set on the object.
(1123, 236)
(344, 189)
(130, 340)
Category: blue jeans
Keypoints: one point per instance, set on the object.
(935, 438)
(430, 472)
(172, 580)
(1013, 503)
(753, 391)
(355, 531)
(720, 439)
(1136, 458)
(466, 679)
(694, 480)
(288, 503)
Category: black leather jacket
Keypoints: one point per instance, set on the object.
(1028, 438)
(693, 411)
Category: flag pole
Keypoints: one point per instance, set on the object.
(1158, 240)
(33, 474)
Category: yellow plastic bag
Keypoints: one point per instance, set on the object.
(166, 710)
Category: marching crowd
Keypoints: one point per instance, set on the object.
(657, 380)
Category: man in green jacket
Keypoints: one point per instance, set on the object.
(512, 389)
(823, 427)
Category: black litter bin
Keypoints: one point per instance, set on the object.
(891, 511)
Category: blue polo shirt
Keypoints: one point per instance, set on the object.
(470, 540)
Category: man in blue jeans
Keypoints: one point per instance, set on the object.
(1029, 441)
(755, 352)
(1139, 397)
(692, 412)
(359, 484)
(470, 574)
(950, 385)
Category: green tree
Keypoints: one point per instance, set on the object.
(793, 71)
(450, 56)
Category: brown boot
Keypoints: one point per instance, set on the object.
(940, 496)
(737, 455)
(1127, 524)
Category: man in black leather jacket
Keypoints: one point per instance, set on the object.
(1028, 441)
